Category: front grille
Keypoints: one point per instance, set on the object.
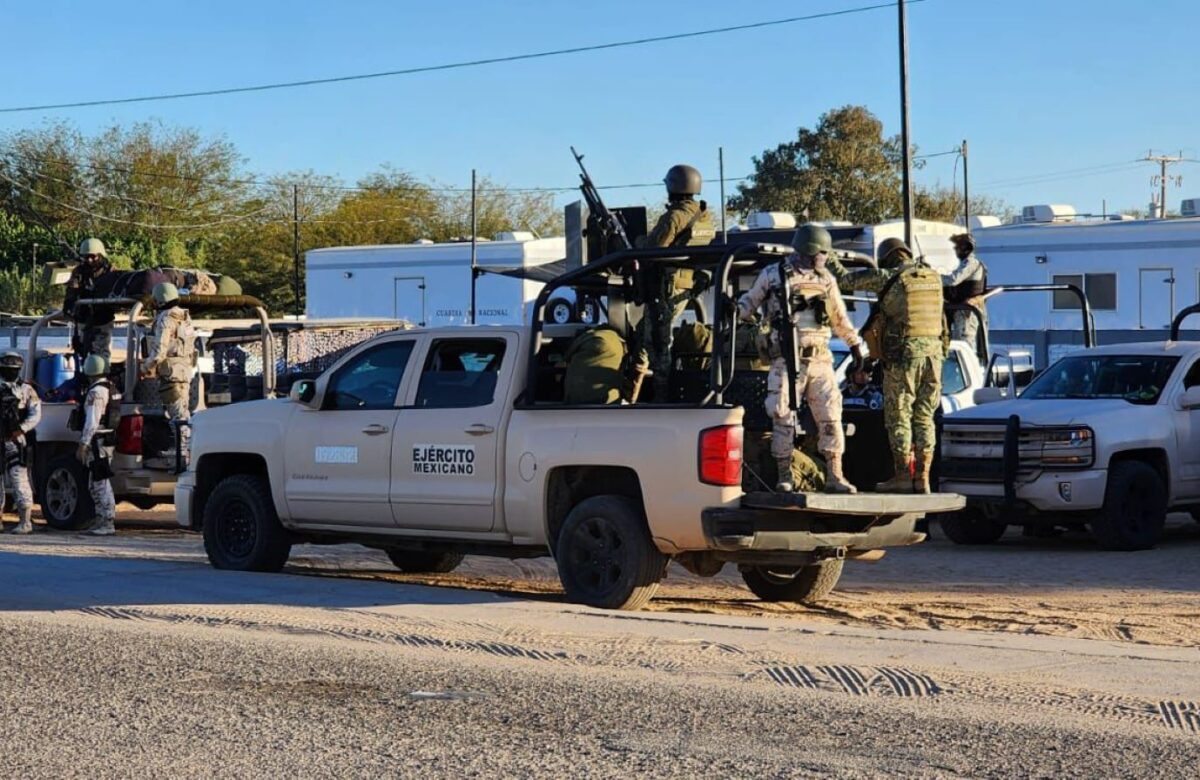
(975, 453)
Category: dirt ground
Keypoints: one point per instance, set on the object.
(1061, 586)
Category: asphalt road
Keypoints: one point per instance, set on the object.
(138, 659)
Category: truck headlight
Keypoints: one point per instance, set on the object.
(1070, 447)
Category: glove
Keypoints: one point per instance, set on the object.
(859, 354)
(81, 453)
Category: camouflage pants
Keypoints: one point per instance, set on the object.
(965, 325)
(95, 340)
(817, 385)
(912, 390)
(654, 333)
(175, 397)
(17, 478)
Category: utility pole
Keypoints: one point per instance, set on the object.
(1162, 179)
(474, 228)
(296, 247)
(966, 191)
(906, 179)
(721, 172)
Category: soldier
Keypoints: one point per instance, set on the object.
(94, 327)
(817, 307)
(92, 452)
(171, 358)
(914, 341)
(20, 410)
(686, 222)
(966, 284)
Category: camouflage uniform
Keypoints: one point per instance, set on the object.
(964, 325)
(95, 408)
(686, 222)
(914, 347)
(94, 329)
(171, 358)
(595, 368)
(762, 471)
(15, 471)
(815, 380)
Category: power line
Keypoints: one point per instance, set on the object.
(451, 65)
(1090, 170)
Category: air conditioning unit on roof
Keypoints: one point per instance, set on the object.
(1190, 208)
(1051, 212)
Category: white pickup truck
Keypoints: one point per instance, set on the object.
(1107, 437)
(429, 444)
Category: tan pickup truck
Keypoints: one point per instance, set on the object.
(433, 444)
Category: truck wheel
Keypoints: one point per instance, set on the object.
(417, 562)
(605, 555)
(804, 585)
(241, 529)
(66, 501)
(1135, 508)
(972, 526)
(559, 311)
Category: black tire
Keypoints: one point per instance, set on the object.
(64, 496)
(559, 311)
(241, 529)
(803, 585)
(605, 555)
(418, 562)
(972, 526)
(1135, 508)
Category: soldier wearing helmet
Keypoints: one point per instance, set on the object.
(93, 452)
(913, 337)
(172, 358)
(686, 222)
(93, 327)
(966, 284)
(817, 308)
(20, 412)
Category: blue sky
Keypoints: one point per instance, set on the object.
(1037, 86)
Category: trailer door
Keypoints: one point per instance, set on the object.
(408, 299)
(1156, 298)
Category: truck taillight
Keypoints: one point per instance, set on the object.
(721, 455)
(129, 435)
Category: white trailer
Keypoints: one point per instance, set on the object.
(1136, 273)
(429, 284)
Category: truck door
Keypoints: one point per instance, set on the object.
(1187, 440)
(408, 299)
(1156, 298)
(447, 445)
(338, 458)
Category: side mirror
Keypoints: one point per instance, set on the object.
(304, 392)
(1190, 399)
(987, 395)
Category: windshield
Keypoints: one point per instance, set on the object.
(1134, 378)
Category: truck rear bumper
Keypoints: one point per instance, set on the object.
(806, 523)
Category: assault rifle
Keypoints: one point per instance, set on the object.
(609, 225)
(787, 333)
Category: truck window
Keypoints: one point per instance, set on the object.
(953, 380)
(460, 373)
(1192, 378)
(371, 379)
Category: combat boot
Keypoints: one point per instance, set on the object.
(25, 524)
(103, 527)
(901, 481)
(784, 484)
(924, 461)
(835, 481)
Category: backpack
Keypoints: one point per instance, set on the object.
(595, 367)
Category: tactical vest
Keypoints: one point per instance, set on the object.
(968, 289)
(919, 289)
(699, 231)
(10, 410)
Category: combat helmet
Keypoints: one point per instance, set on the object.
(92, 246)
(95, 365)
(811, 240)
(165, 293)
(11, 364)
(683, 180)
(888, 253)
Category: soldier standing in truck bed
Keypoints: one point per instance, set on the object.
(686, 222)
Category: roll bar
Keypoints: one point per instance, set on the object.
(1085, 308)
(1177, 323)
